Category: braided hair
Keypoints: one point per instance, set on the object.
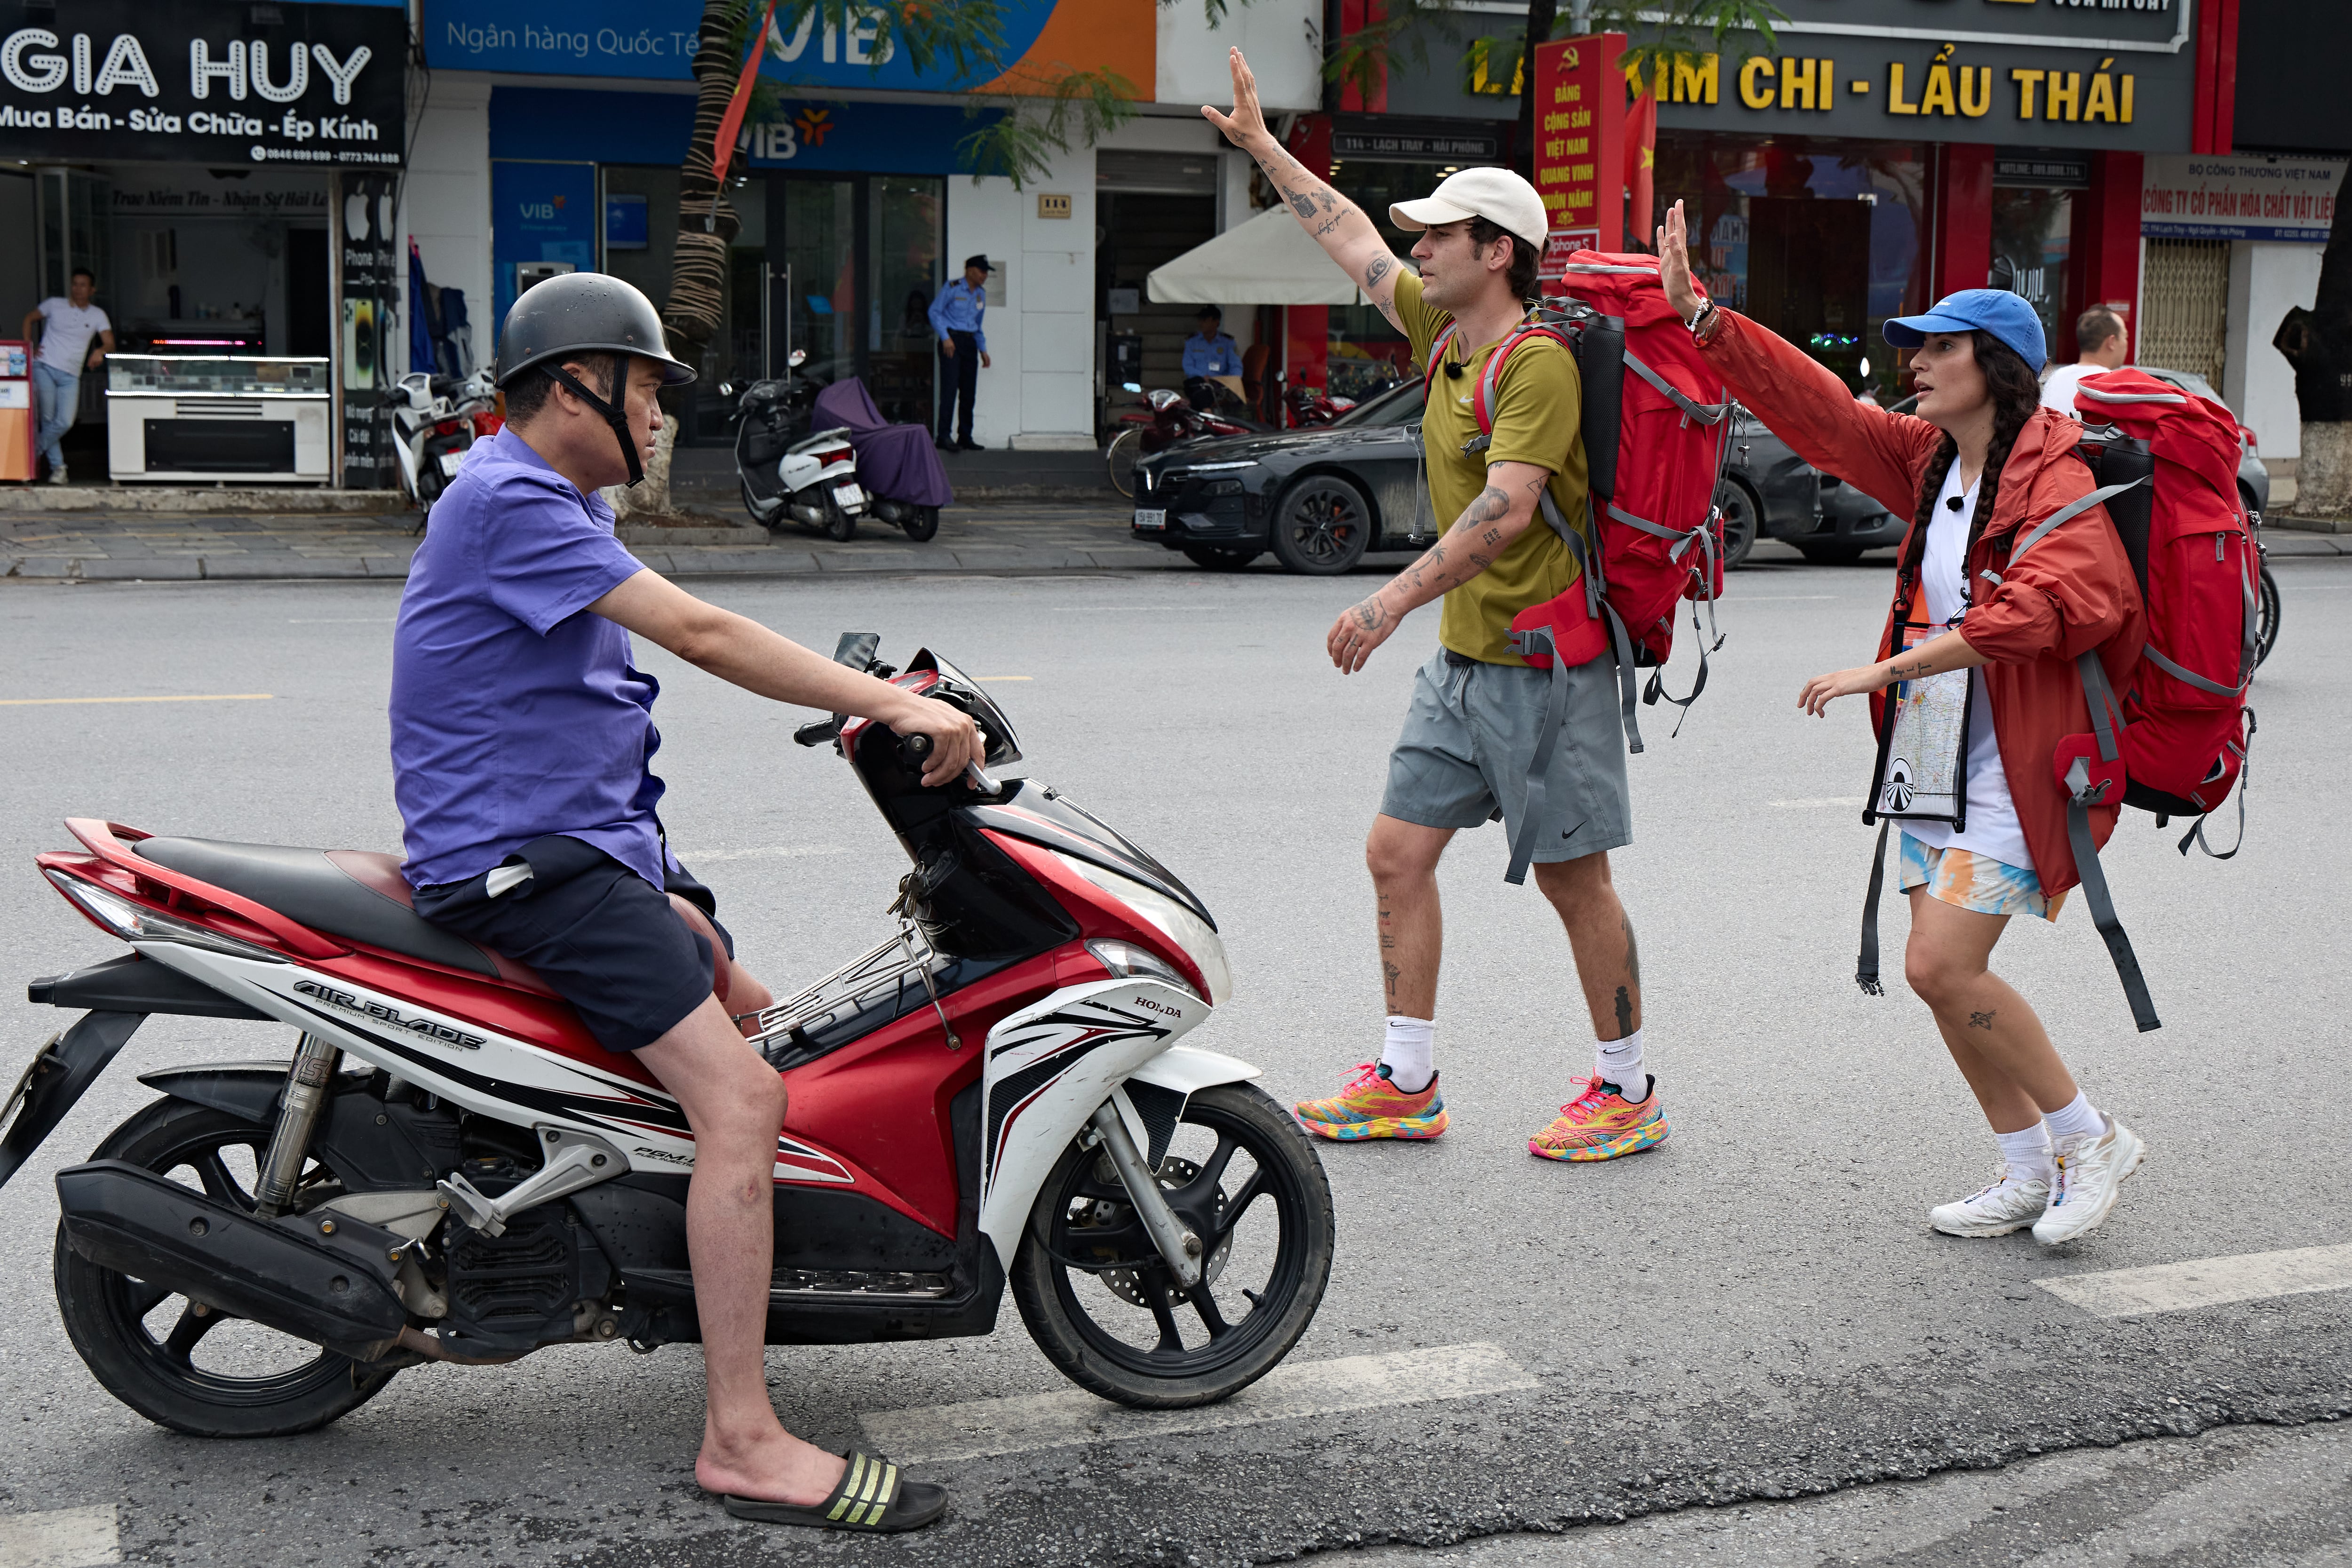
(2016, 393)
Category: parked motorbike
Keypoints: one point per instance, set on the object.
(811, 479)
(451, 1169)
(436, 420)
(1168, 420)
(1313, 405)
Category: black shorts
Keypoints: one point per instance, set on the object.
(598, 933)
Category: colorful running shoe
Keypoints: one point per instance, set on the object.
(1373, 1106)
(1599, 1124)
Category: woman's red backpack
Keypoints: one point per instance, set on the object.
(2175, 744)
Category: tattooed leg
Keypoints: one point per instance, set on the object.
(1403, 858)
(1995, 1039)
(1599, 938)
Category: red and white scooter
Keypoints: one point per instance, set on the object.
(450, 1168)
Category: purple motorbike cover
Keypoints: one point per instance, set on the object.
(897, 462)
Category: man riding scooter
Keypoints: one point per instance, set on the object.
(522, 739)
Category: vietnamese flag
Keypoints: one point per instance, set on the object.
(722, 151)
(1640, 165)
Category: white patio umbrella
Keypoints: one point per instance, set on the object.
(1269, 260)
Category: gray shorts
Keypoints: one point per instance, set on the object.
(1469, 738)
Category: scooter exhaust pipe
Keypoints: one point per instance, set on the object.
(324, 1277)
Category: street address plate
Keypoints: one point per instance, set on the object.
(1151, 517)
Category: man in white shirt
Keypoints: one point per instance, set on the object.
(68, 326)
(2100, 339)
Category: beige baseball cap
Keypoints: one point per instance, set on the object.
(1498, 195)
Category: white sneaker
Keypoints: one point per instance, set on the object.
(57, 474)
(2011, 1202)
(2090, 1172)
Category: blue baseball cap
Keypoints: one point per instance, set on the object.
(1996, 310)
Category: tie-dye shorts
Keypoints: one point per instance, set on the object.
(1970, 880)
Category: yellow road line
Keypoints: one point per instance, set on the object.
(54, 701)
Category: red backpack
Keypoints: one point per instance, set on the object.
(1655, 451)
(2176, 742)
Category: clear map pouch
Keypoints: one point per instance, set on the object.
(1923, 743)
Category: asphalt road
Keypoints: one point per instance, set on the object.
(1755, 1310)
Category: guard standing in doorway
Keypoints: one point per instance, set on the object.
(963, 350)
(1211, 352)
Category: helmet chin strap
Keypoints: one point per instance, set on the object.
(615, 414)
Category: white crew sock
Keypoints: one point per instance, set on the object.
(1620, 1062)
(2078, 1119)
(1406, 1053)
(2027, 1154)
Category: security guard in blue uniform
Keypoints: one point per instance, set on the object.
(1207, 353)
(963, 350)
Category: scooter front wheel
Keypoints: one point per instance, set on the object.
(1105, 1308)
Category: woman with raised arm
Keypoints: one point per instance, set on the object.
(1977, 660)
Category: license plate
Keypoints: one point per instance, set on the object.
(25, 1082)
(848, 495)
(1151, 516)
(451, 462)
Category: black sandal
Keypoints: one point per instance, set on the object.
(874, 1495)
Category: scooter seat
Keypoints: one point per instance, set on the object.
(354, 893)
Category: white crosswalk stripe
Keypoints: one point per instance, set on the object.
(62, 1537)
(2206, 1281)
(980, 1429)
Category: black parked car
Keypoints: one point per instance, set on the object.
(1319, 498)
(1769, 491)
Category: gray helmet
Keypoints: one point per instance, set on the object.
(578, 313)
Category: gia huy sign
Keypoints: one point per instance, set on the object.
(202, 81)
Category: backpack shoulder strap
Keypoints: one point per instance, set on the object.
(1482, 397)
(1436, 358)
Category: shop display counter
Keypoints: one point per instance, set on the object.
(244, 418)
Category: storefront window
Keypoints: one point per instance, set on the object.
(1366, 353)
(1817, 239)
(906, 271)
(886, 229)
(2031, 229)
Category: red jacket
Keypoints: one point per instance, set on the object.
(2072, 592)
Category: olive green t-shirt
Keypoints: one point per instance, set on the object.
(1537, 409)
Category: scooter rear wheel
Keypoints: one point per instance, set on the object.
(180, 1365)
(923, 525)
(840, 522)
(1104, 1308)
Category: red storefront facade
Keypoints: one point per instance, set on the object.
(2002, 143)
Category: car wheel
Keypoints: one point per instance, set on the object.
(1828, 554)
(1743, 515)
(1321, 526)
(1219, 557)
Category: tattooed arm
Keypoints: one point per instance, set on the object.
(1336, 224)
(1485, 530)
(1936, 656)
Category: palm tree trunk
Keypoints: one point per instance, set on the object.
(707, 225)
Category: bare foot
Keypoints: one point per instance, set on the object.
(775, 1467)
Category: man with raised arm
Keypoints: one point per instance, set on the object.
(1471, 733)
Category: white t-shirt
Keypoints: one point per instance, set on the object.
(2058, 392)
(1993, 827)
(65, 340)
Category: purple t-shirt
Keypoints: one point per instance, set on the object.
(515, 712)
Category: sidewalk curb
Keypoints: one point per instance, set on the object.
(681, 561)
(190, 501)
